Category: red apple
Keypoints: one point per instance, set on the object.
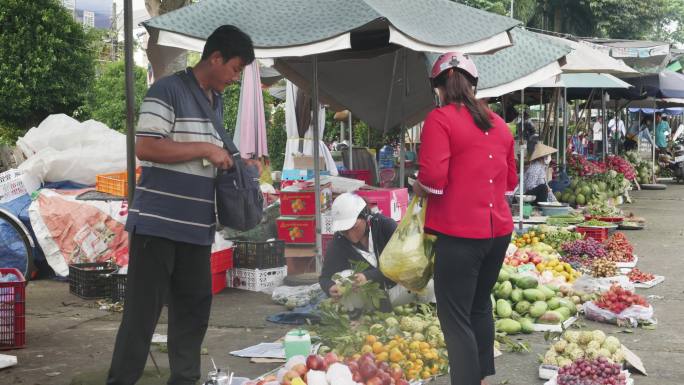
(386, 379)
(356, 376)
(402, 382)
(515, 262)
(368, 370)
(384, 367)
(525, 259)
(397, 374)
(331, 358)
(315, 362)
(374, 381)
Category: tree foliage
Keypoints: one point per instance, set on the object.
(46, 62)
(106, 97)
(623, 19)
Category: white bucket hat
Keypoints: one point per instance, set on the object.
(345, 211)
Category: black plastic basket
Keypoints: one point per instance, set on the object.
(89, 280)
(117, 290)
(259, 255)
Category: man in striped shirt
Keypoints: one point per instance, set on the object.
(172, 219)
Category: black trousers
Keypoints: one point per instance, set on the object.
(541, 192)
(465, 273)
(160, 269)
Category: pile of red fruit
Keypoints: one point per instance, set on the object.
(618, 299)
(619, 249)
(580, 166)
(622, 166)
(637, 275)
(367, 371)
(594, 372)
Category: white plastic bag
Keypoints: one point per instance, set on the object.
(589, 284)
(62, 149)
(295, 295)
(634, 314)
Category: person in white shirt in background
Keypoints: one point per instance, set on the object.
(621, 132)
(597, 129)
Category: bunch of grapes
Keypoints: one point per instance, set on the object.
(583, 251)
(595, 372)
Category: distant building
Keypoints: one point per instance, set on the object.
(70, 5)
(89, 19)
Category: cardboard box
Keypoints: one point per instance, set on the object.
(307, 162)
(391, 202)
(300, 199)
(300, 174)
(297, 230)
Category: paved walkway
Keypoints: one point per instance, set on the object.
(68, 337)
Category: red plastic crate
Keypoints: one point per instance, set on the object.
(364, 175)
(598, 233)
(218, 282)
(12, 312)
(221, 261)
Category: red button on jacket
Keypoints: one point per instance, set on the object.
(472, 170)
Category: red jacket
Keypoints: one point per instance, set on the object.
(467, 173)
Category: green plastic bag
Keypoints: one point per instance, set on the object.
(408, 258)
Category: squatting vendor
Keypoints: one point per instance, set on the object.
(538, 174)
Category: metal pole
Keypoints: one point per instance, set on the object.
(565, 124)
(316, 156)
(604, 135)
(351, 142)
(402, 136)
(521, 138)
(130, 98)
(511, 9)
(557, 125)
(638, 137)
(653, 143)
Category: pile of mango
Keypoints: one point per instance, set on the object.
(558, 269)
(519, 302)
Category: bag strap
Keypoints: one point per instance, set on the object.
(204, 105)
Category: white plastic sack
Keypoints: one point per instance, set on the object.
(399, 295)
(62, 149)
(62, 132)
(589, 284)
(634, 314)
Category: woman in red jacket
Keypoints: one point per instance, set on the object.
(467, 163)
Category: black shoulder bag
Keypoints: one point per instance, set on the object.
(239, 202)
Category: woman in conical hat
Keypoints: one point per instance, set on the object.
(538, 173)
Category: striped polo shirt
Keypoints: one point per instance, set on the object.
(176, 201)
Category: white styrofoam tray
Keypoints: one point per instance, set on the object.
(647, 285)
(554, 328)
(628, 264)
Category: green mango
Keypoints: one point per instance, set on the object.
(568, 304)
(527, 325)
(538, 309)
(503, 308)
(522, 307)
(526, 282)
(516, 295)
(563, 311)
(554, 303)
(533, 295)
(548, 293)
(508, 326)
(504, 290)
(503, 276)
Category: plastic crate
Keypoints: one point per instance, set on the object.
(259, 255)
(598, 233)
(256, 279)
(115, 183)
(89, 280)
(364, 175)
(218, 282)
(117, 287)
(221, 261)
(12, 312)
